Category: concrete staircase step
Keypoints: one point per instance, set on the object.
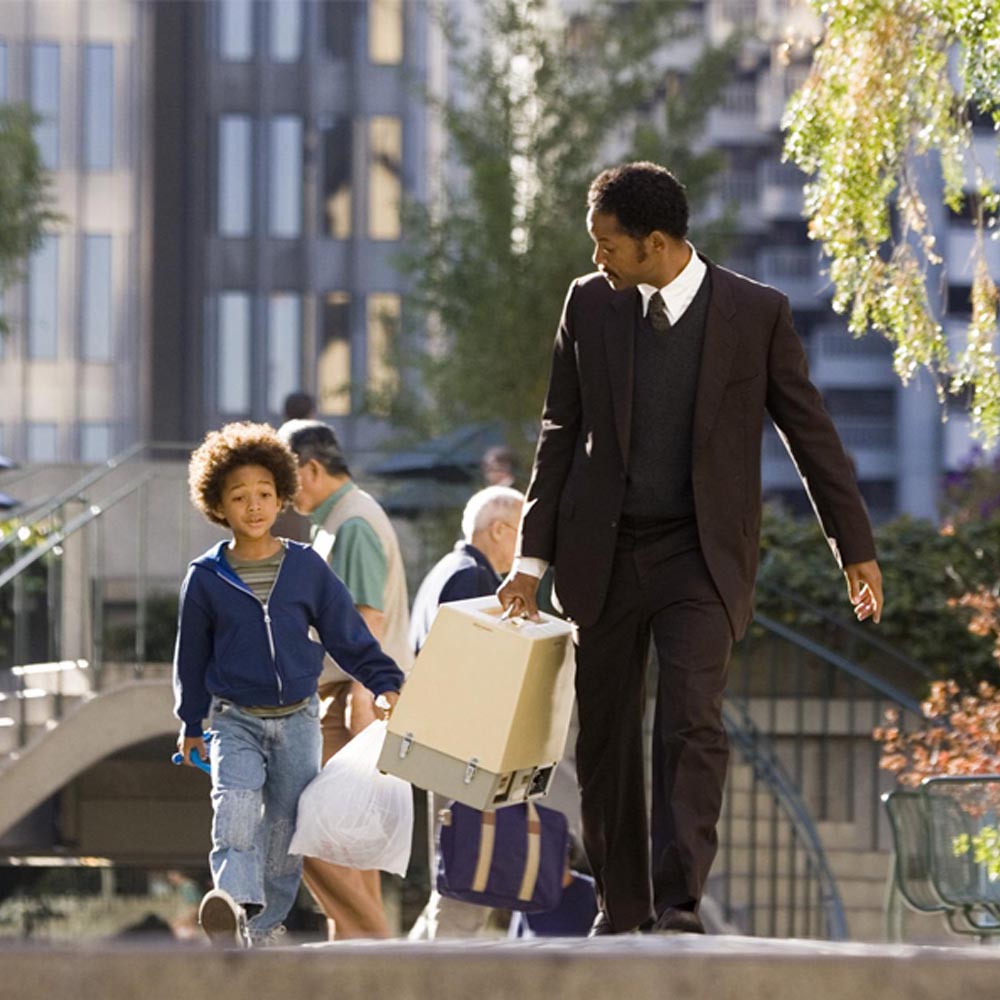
(845, 864)
(859, 864)
(854, 893)
(837, 835)
(766, 830)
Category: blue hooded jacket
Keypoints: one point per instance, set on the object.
(233, 646)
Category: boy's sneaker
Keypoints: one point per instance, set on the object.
(274, 938)
(223, 919)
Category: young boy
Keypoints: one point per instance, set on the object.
(245, 661)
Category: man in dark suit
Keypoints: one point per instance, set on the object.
(645, 494)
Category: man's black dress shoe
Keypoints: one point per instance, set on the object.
(675, 921)
(601, 925)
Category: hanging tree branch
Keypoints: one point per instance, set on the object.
(894, 82)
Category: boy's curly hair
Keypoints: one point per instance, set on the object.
(235, 445)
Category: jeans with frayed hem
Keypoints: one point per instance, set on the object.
(260, 766)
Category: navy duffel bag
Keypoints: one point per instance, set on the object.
(512, 858)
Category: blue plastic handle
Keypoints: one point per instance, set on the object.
(178, 758)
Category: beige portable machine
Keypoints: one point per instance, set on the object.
(484, 713)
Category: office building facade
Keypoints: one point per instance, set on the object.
(288, 135)
(72, 367)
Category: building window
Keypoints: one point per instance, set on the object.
(95, 442)
(382, 323)
(235, 186)
(385, 150)
(333, 373)
(96, 332)
(286, 176)
(284, 349)
(339, 20)
(45, 101)
(43, 301)
(43, 443)
(99, 107)
(865, 403)
(235, 29)
(233, 356)
(740, 97)
(286, 30)
(385, 31)
(338, 155)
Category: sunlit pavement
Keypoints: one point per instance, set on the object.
(622, 968)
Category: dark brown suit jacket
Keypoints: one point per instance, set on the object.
(752, 362)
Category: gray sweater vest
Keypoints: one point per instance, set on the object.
(396, 614)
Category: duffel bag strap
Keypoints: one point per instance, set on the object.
(534, 855)
(487, 835)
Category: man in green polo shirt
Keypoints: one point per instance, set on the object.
(354, 534)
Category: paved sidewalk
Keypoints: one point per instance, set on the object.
(628, 968)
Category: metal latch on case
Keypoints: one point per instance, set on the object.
(405, 744)
(470, 770)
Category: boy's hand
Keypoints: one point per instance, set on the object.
(188, 743)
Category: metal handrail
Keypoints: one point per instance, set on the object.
(850, 629)
(80, 521)
(49, 507)
(759, 752)
(841, 663)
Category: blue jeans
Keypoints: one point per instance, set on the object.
(259, 768)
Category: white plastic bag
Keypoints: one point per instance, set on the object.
(350, 814)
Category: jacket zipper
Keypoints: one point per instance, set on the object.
(267, 622)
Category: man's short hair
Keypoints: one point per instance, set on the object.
(312, 439)
(489, 505)
(499, 460)
(232, 447)
(299, 406)
(642, 196)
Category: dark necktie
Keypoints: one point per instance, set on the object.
(657, 314)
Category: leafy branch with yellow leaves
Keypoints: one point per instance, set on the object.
(895, 87)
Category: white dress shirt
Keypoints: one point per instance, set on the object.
(677, 296)
(680, 293)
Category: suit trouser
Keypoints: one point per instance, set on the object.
(655, 592)
(351, 899)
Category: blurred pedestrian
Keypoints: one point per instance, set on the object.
(499, 466)
(477, 563)
(290, 523)
(473, 568)
(353, 533)
(299, 406)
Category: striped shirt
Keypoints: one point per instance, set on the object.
(258, 574)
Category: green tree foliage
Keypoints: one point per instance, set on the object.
(25, 205)
(34, 613)
(536, 111)
(925, 571)
(895, 85)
